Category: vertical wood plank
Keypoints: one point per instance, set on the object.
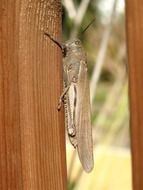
(134, 23)
(32, 135)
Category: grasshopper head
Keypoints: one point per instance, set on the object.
(72, 46)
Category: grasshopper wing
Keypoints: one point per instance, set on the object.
(83, 120)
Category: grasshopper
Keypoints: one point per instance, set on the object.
(76, 100)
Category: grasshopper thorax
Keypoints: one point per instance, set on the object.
(72, 46)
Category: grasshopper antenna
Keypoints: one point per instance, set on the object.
(55, 41)
(88, 26)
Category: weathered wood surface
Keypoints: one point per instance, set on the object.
(134, 23)
(32, 142)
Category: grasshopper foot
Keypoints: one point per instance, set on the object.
(59, 106)
(73, 141)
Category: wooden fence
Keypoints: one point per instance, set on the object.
(32, 141)
(134, 23)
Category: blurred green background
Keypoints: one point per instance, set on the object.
(105, 45)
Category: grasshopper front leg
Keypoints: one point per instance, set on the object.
(62, 96)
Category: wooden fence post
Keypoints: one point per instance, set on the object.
(32, 135)
(134, 15)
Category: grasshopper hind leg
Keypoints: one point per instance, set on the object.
(71, 129)
(73, 139)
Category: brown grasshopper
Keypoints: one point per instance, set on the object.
(76, 99)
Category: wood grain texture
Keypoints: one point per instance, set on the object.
(32, 135)
(134, 14)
